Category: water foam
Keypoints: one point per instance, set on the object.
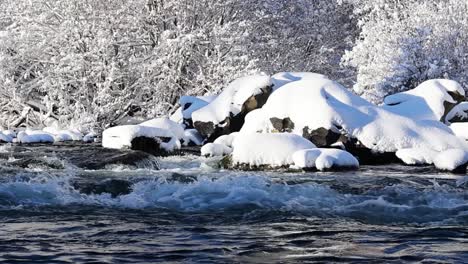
(389, 204)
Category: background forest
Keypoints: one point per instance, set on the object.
(93, 63)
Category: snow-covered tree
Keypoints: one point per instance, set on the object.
(403, 43)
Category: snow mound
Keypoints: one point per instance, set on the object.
(214, 149)
(35, 136)
(282, 78)
(121, 137)
(323, 159)
(451, 159)
(416, 156)
(231, 100)
(226, 140)
(425, 102)
(323, 103)
(273, 150)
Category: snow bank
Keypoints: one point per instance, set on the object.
(273, 150)
(10, 133)
(35, 136)
(213, 150)
(122, 136)
(323, 159)
(326, 104)
(64, 135)
(231, 100)
(425, 102)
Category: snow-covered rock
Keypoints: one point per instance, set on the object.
(214, 149)
(225, 114)
(10, 133)
(452, 160)
(64, 135)
(90, 137)
(192, 137)
(431, 100)
(321, 103)
(416, 156)
(5, 138)
(459, 113)
(254, 150)
(282, 78)
(324, 159)
(34, 136)
(153, 140)
(165, 123)
(226, 139)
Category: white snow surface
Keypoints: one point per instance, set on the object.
(275, 149)
(35, 136)
(451, 159)
(10, 133)
(214, 150)
(231, 99)
(460, 129)
(165, 123)
(323, 159)
(425, 102)
(121, 136)
(196, 102)
(90, 137)
(282, 78)
(226, 140)
(325, 103)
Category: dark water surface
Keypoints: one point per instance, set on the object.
(190, 212)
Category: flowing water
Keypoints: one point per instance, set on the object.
(189, 211)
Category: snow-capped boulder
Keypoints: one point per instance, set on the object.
(454, 160)
(190, 104)
(431, 100)
(192, 138)
(226, 140)
(5, 138)
(154, 140)
(416, 156)
(459, 114)
(226, 113)
(324, 159)
(267, 150)
(34, 136)
(215, 149)
(367, 130)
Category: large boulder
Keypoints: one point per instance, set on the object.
(323, 111)
(226, 113)
(153, 140)
(431, 100)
